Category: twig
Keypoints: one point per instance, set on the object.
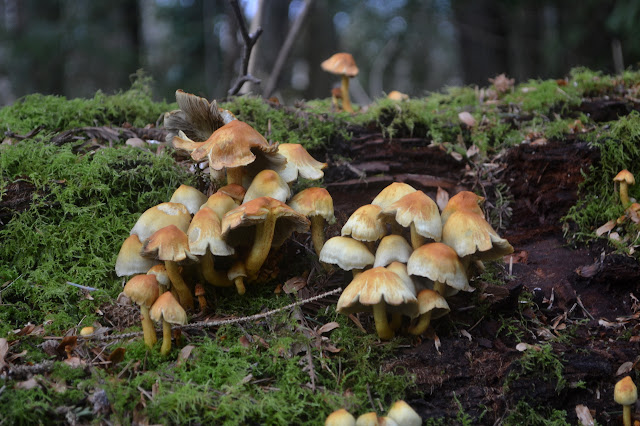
(286, 48)
(249, 42)
(83, 287)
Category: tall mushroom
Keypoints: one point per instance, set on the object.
(190, 197)
(299, 162)
(624, 178)
(625, 393)
(168, 310)
(143, 290)
(417, 212)
(159, 216)
(317, 205)
(344, 65)
(205, 240)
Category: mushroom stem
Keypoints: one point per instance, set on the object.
(261, 246)
(422, 324)
(234, 175)
(626, 415)
(239, 283)
(317, 233)
(382, 324)
(166, 338)
(177, 283)
(213, 277)
(346, 102)
(417, 240)
(440, 287)
(624, 194)
(148, 329)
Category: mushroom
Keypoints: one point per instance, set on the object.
(417, 212)
(380, 290)
(431, 305)
(344, 65)
(392, 193)
(392, 248)
(143, 290)
(273, 221)
(299, 162)
(463, 200)
(234, 191)
(625, 393)
(347, 253)
(164, 283)
(221, 203)
(237, 273)
(317, 205)
(340, 417)
(367, 419)
(168, 310)
(267, 183)
(439, 263)
(205, 240)
(200, 294)
(394, 95)
(403, 414)
(365, 225)
(171, 245)
(625, 178)
(129, 260)
(190, 197)
(159, 216)
(233, 146)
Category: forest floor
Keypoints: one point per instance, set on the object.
(542, 340)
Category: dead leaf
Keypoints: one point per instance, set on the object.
(117, 355)
(244, 341)
(467, 118)
(442, 198)
(473, 150)
(615, 236)
(357, 322)
(624, 368)
(74, 362)
(456, 156)
(608, 324)
(584, 415)
(466, 334)
(607, 227)
(502, 83)
(539, 142)
(185, 354)
(294, 284)
(328, 327)
(330, 348)
(28, 384)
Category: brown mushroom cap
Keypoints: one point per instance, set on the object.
(159, 216)
(299, 162)
(168, 308)
(341, 64)
(340, 417)
(142, 290)
(625, 176)
(168, 243)
(347, 253)
(400, 269)
(268, 183)
(190, 197)
(419, 209)
(463, 200)
(625, 392)
(439, 263)
(364, 224)
(234, 191)
(129, 260)
(392, 248)
(392, 193)
(161, 274)
(220, 203)
(205, 233)
(470, 234)
(373, 286)
(314, 202)
(431, 301)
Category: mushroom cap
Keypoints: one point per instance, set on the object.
(417, 208)
(625, 392)
(234, 145)
(236, 270)
(234, 191)
(220, 203)
(394, 95)
(237, 224)
(387, 421)
(439, 262)
(268, 183)
(347, 253)
(400, 269)
(129, 260)
(470, 234)
(373, 286)
(392, 248)
(199, 290)
(159, 216)
(392, 193)
(341, 64)
(367, 419)
(340, 417)
(299, 162)
(190, 197)
(168, 243)
(142, 289)
(463, 200)
(625, 176)
(431, 301)
(364, 224)
(161, 274)
(168, 308)
(314, 202)
(403, 414)
(205, 233)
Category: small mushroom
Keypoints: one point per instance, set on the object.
(344, 65)
(159, 216)
(200, 294)
(463, 200)
(625, 393)
(267, 183)
(394, 95)
(392, 193)
(168, 310)
(129, 260)
(624, 178)
(439, 263)
(417, 212)
(340, 417)
(143, 290)
(365, 225)
(392, 248)
(367, 419)
(347, 253)
(237, 273)
(221, 203)
(299, 162)
(431, 305)
(205, 240)
(317, 205)
(403, 414)
(190, 197)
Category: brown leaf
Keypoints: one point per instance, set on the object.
(28, 384)
(328, 327)
(357, 322)
(607, 227)
(185, 354)
(625, 368)
(294, 284)
(66, 341)
(244, 341)
(330, 348)
(467, 118)
(442, 198)
(117, 355)
(4, 349)
(74, 362)
(473, 150)
(584, 415)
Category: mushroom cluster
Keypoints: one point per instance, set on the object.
(192, 244)
(400, 414)
(407, 257)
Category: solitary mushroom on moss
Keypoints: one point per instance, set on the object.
(625, 393)
(143, 290)
(344, 65)
(624, 178)
(168, 310)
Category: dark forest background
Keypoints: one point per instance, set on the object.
(74, 48)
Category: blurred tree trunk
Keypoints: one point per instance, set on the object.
(319, 42)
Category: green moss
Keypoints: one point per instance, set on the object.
(525, 415)
(541, 362)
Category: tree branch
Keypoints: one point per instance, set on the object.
(249, 42)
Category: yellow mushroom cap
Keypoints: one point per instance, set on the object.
(129, 260)
(625, 176)
(142, 289)
(463, 200)
(190, 197)
(267, 183)
(161, 274)
(168, 243)
(392, 248)
(347, 253)
(625, 392)
(205, 233)
(299, 162)
(439, 262)
(392, 193)
(159, 216)
(364, 224)
(168, 308)
(86, 331)
(431, 301)
(470, 234)
(314, 202)
(220, 203)
(341, 64)
(418, 208)
(367, 419)
(395, 95)
(234, 191)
